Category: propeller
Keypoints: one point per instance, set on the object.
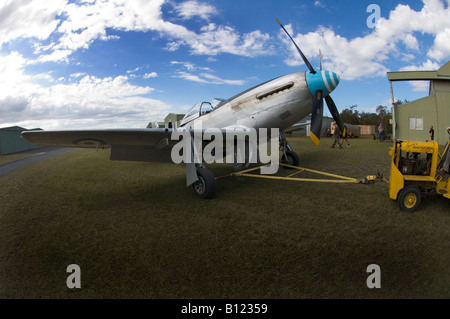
(311, 69)
(316, 118)
(317, 109)
(335, 113)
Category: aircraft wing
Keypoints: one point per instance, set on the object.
(148, 145)
(143, 145)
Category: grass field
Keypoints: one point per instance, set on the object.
(136, 231)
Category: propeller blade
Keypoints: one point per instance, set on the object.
(335, 113)
(316, 118)
(311, 69)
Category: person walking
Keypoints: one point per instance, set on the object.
(337, 136)
(431, 133)
(345, 138)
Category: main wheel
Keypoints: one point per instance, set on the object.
(291, 158)
(206, 184)
(409, 198)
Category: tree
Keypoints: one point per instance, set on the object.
(369, 119)
(350, 115)
(383, 115)
(381, 111)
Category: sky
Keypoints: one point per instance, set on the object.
(125, 63)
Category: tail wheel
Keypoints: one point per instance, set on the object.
(291, 158)
(205, 187)
(409, 198)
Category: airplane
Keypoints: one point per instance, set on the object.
(279, 103)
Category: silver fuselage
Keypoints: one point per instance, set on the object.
(278, 103)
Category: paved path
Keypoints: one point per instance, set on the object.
(41, 154)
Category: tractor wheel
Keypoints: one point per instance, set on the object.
(409, 198)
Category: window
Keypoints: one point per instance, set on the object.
(416, 123)
(205, 108)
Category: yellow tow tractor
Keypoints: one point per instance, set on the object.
(416, 168)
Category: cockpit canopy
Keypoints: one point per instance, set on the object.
(201, 109)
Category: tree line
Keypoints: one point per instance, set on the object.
(383, 115)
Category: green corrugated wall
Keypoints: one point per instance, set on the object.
(12, 142)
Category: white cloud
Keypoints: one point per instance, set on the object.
(75, 26)
(318, 4)
(441, 47)
(134, 70)
(202, 76)
(190, 77)
(58, 28)
(206, 78)
(150, 75)
(426, 66)
(77, 75)
(189, 66)
(421, 86)
(220, 39)
(351, 59)
(109, 102)
(217, 80)
(193, 8)
(12, 78)
(366, 56)
(411, 42)
(216, 39)
(29, 19)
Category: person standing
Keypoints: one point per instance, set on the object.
(381, 132)
(445, 171)
(431, 133)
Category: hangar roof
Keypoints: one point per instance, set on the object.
(18, 128)
(12, 128)
(442, 74)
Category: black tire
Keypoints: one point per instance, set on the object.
(291, 158)
(205, 187)
(409, 198)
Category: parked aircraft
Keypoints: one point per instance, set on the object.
(278, 103)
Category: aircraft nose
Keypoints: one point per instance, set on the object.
(326, 81)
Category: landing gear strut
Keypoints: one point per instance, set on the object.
(289, 156)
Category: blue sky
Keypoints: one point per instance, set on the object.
(125, 63)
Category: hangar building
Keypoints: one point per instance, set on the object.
(304, 130)
(11, 140)
(173, 119)
(170, 121)
(413, 120)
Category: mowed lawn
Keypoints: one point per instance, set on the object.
(136, 231)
